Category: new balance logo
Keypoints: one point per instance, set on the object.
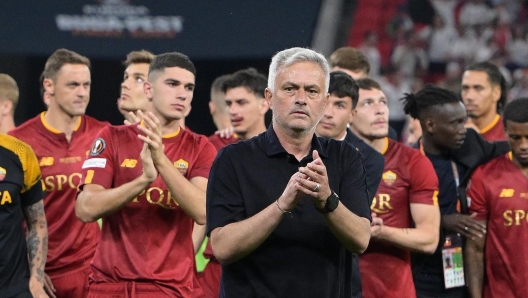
(507, 193)
(129, 163)
(46, 161)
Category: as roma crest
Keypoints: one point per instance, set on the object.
(182, 166)
(389, 177)
(3, 173)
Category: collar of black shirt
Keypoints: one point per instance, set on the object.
(274, 147)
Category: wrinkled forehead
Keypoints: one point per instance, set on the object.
(305, 72)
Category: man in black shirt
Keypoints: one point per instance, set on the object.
(343, 100)
(455, 152)
(21, 198)
(283, 207)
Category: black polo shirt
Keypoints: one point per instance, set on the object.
(301, 257)
(374, 164)
(373, 160)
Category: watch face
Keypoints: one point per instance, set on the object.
(332, 202)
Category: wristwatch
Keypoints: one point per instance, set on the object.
(331, 203)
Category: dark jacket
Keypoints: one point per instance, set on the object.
(474, 152)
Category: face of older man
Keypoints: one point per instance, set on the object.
(299, 99)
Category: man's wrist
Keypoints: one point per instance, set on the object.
(330, 204)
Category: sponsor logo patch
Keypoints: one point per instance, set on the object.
(507, 193)
(98, 146)
(94, 163)
(129, 163)
(46, 161)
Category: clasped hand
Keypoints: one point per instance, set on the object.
(311, 180)
(152, 152)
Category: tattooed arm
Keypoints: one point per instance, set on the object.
(37, 244)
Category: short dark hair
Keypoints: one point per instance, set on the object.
(429, 96)
(349, 58)
(342, 85)
(136, 57)
(61, 57)
(248, 78)
(173, 59)
(368, 84)
(495, 77)
(516, 111)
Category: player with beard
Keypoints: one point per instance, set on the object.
(61, 138)
(455, 153)
(484, 92)
(405, 209)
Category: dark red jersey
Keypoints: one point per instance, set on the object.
(499, 194)
(71, 243)
(408, 178)
(148, 240)
(220, 142)
(494, 131)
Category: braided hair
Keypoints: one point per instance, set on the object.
(415, 104)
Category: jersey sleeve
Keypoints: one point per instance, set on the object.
(32, 191)
(224, 202)
(424, 181)
(477, 195)
(204, 160)
(98, 168)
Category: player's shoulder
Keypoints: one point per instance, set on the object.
(332, 147)
(29, 127)
(95, 124)
(17, 146)
(495, 164)
(194, 136)
(405, 151)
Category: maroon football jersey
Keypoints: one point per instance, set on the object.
(408, 178)
(220, 142)
(494, 131)
(71, 243)
(148, 240)
(499, 194)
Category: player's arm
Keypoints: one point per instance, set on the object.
(474, 261)
(198, 236)
(190, 194)
(351, 230)
(95, 201)
(423, 238)
(474, 247)
(37, 246)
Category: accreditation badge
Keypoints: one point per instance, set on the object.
(452, 261)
